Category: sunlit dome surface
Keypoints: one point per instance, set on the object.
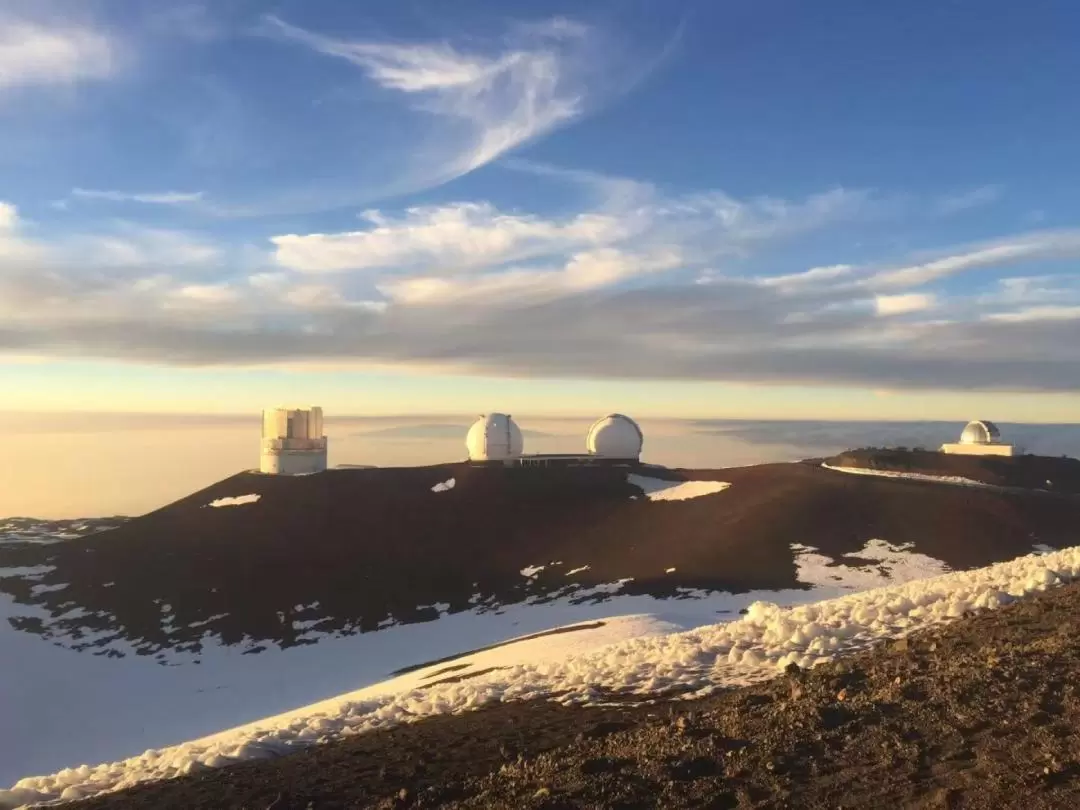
(494, 437)
(615, 436)
(980, 432)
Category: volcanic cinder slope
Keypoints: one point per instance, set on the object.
(981, 713)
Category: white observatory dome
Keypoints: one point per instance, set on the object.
(494, 437)
(615, 436)
(980, 432)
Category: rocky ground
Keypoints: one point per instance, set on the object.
(354, 550)
(982, 713)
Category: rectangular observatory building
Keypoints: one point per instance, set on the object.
(292, 441)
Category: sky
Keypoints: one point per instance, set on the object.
(766, 209)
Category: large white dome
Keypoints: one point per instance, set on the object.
(494, 437)
(980, 432)
(615, 436)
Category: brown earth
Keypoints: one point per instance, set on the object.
(983, 713)
(347, 549)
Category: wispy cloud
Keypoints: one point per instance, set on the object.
(814, 275)
(966, 200)
(450, 236)
(1043, 313)
(903, 304)
(582, 272)
(150, 198)
(467, 236)
(1033, 246)
(9, 217)
(34, 54)
(497, 100)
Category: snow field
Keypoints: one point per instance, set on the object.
(755, 647)
(938, 479)
(237, 500)
(656, 489)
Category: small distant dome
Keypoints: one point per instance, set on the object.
(494, 437)
(615, 436)
(980, 432)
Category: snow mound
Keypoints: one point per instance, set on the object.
(444, 486)
(937, 479)
(753, 648)
(656, 489)
(237, 500)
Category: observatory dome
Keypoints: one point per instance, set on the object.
(980, 432)
(494, 437)
(615, 436)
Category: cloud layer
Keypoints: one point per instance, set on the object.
(640, 286)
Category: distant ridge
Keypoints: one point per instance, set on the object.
(1060, 475)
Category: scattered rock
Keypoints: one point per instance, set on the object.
(694, 768)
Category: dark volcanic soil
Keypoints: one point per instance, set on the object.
(984, 713)
(347, 549)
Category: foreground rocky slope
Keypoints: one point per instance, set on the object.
(980, 713)
(354, 550)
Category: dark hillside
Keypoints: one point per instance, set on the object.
(348, 549)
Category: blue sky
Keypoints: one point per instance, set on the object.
(789, 209)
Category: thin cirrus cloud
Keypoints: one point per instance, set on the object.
(1033, 246)
(149, 198)
(966, 200)
(541, 77)
(33, 54)
(1037, 246)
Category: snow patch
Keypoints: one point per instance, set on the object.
(956, 480)
(445, 486)
(656, 489)
(878, 564)
(531, 571)
(238, 500)
(577, 570)
(669, 570)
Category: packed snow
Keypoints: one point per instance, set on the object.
(878, 564)
(17, 530)
(237, 500)
(445, 486)
(657, 489)
(937, 479)
(755, 647)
